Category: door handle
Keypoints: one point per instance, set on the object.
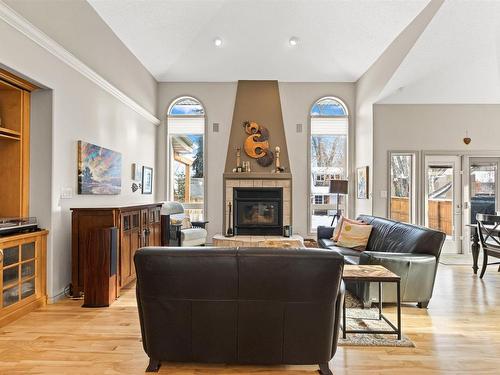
(1, 256)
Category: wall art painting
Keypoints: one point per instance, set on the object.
(99, 170)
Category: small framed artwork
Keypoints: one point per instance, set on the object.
(147, 180)
(362, 187)
(136, 172)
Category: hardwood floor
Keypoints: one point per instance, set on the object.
(458, 334)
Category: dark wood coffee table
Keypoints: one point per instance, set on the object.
(379, 274)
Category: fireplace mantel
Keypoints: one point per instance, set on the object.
(257, 176)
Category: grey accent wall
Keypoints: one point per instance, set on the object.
(257, 101)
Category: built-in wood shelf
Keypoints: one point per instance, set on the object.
(14, 145)
(10, 132)
(5, 136)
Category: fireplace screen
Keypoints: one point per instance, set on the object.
(258, 211)
(251, 213)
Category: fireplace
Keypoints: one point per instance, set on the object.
(258, 211)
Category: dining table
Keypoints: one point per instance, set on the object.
(475, 246)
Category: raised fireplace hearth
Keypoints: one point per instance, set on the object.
(258, 211)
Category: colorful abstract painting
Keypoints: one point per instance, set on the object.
(99, 170)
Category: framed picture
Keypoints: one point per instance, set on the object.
(362, 187)
(136, 172)
(99, 170)
(147, 180)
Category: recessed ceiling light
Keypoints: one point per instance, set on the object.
(293, 41)
(218, 42)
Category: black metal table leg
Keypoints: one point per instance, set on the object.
(344, 320)
(399, 308)
(379, 300)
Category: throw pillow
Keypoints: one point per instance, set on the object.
(336, 231)
(340, 223)
(186, 223)
(354, 236)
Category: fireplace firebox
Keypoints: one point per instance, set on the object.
(258, 211)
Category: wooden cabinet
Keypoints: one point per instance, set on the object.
(131, 240)
(22, 256)
(14, 144)
(22, 274)
(139, 226)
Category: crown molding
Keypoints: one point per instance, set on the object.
(18, 22)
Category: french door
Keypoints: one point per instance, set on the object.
(481, 189)
(443, 198)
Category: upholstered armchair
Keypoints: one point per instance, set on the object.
(173, 233)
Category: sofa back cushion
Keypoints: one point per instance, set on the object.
(396, 237)
(245, 305)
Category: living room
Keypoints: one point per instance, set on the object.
(233, 186)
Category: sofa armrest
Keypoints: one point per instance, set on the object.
(417, 272)
(324, 232)
(338, 317)
(199, 224)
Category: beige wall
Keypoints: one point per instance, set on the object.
(219, 99)
(80, 110)
(429, 127)
(296, 102)
(77, 27)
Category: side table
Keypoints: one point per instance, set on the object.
(379, 274)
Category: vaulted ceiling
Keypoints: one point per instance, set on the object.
(455, 60)
(338, 40)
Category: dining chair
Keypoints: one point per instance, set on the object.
(488, 228)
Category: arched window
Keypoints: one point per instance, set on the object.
(329, 127)
(186, 164)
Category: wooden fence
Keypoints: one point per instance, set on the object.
(440, 213)
(400, 209)
(441, 216)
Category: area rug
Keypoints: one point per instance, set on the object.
(368, 319)
(308, 242)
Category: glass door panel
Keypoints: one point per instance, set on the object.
(18, 273)
(483, 182)
(401, 203)
(443, 207)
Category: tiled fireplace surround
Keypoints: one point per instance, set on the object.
(258, 180)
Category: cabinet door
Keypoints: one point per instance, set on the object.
(130, 241)
(125, 246)
(20, 272)
(155, 224)
(135, 238)
(144, 227)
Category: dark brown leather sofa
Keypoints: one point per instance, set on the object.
(409, 251)
(240, 306)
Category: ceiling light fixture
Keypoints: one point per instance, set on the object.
(218, 42)
(293, 41)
